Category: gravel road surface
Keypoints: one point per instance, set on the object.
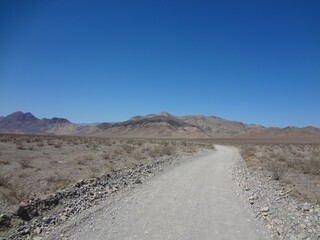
(195, 200)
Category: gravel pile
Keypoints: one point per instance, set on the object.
(35, 218)
(283, 216)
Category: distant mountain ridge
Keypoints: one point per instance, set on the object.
(161, 125)
(20, 122)
(153, 125)
(287, 132)
(219, 127)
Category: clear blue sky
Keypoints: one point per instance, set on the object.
(92, 61)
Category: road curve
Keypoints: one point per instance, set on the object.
(195, 200)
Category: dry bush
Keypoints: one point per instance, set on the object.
(80, 162)
(94, 146)
(107, 142)
(248, 152)
(161, 149)
(31, 148)
(38, 139)
(130, 141)
(56, 181)
(10, 195)
(190, 148)
(276, 169)
(53, 162)
(25, 163)
(118, 152)
(111, 166)
(94, 172)
(128, 148)
(20, 146)
(50, 142)
(58, 145)
(166, 149)
(315, 166)
(139, 143)
(138, 155)
(87, 157)
(4, 162)
(281, 158)
(8, 192)
(3, 181)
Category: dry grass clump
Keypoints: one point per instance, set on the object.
(25, 163)
(128, 148)
(4, 162)
(3, 181)
(56, 181)
(20, 146)
(248, 152)
(8, 193)
(58, 145)
(87, 157)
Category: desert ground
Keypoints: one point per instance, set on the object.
(296, 166)
(33, 165)
(53, 186)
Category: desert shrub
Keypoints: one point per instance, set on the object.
(53, 162)
(277, 170)
(248, 152)
(139, 143)
(20, 146)
(161, 149)
(25, 163)
(107, 142)
(10, 195)
(118, 152)
(128, 148)
(57, 181)
(8, 192)
(281, 158)
(138, 155)
(31, 148)
(130, 141)
(4, 162)
(87, 157)
(3, 181)
(315, 166)
(94, 172)
(80, 162)
(38, 139)
(57, 145)
(166, 149)
(153, 152)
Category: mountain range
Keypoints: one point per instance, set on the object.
(161, 125)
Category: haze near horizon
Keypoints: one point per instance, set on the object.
(255, 62)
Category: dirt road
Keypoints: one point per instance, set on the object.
(195, 200)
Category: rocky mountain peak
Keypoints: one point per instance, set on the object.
(20, 116)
